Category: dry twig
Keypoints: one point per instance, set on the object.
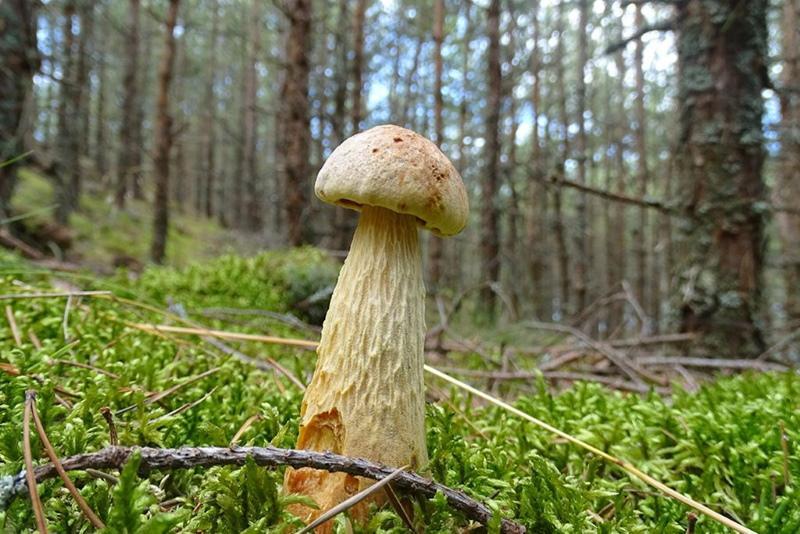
(153, 459)
(30, 476)
(12, 323)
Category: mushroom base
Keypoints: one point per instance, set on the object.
(367, 397)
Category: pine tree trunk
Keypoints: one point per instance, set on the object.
(559, 230)
(582, 227)
(639, 236)
(86, 13)
(720, 155)
(490, 228)
(788, 191)
(67, 171)
(18, 62)
(100, 132)
(163, 138)
(251, 204)
(358, 64)
(130, 101)
(210, 141)
(297, 135)
(435, 243)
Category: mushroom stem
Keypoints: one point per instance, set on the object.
(367, 398)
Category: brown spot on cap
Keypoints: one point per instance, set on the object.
(398, 140)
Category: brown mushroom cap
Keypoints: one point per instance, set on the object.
(394, 168)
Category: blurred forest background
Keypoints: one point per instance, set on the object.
(633, 166)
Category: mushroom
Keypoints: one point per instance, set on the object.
(366, 398)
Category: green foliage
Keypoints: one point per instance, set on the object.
(722, 445)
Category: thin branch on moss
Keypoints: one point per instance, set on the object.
(12, 323)
(66, 294)
(154, 459)
(51, 453)
(30, 475)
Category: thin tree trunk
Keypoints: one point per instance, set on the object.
(358, 64)
(582, 228)
(86, 13)
(639, 235)
(720, 156)
(163, 138)
(68, 173)
(18, 62)
(490, 228)
(558, 221)
(130, 85)
(435, 243)
(788, 190)
(100, 146)
(620, 260)
(252, 205)
(297, 135)
(210, 140)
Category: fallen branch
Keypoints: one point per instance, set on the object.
(719, 363)
(154, 459)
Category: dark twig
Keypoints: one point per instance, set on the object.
(662, 26)
(719, 363)
(30, 474)
(153, 459)
(108, 415)
(51, 453)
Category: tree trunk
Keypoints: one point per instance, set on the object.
(720, 155)
(251, 203)
(67, 167)
(297, 136)
(130, 101)
(100, 132)
(210, 141)
(163, 138)
(490, 228)
(582, 227)
(535, 235)
(559, 231)
(788, 190)
(358, 64)
(19, 60)
(86, 13)
(435, 243)
(639, 235)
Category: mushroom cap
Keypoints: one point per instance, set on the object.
(397, 169)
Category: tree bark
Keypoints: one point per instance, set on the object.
(639, 235)
(163, 138)
(130, 84)
(67, 167)
(209, 181)
(297, 135)
(582, 227)
(19, 60)
(562, 253)
(720, 155)
(358, 64)
(85, 47)
(100, 132)
(434, 242)
(788, 190)
(251, 204)
(490, 228)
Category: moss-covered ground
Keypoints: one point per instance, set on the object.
(722, 444)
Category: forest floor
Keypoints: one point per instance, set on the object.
(101, 237)
(103, 378)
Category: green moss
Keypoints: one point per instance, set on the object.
(722, 445)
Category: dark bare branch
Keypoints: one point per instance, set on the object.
(154, 459)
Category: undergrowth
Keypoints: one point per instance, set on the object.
(722, 445)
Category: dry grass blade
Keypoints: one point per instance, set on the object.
(244, 428)
(185, 407)
(51, 453)
(62, 294)
(30, 477)
(87, 367)
(225, 335)
(12, 323)
(399, 508)
(352, 501)
(155, 397)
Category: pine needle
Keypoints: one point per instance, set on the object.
(352, 501)
(30, 477)
(51, 453)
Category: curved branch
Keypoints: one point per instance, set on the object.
(663, 26)
(154, 459)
